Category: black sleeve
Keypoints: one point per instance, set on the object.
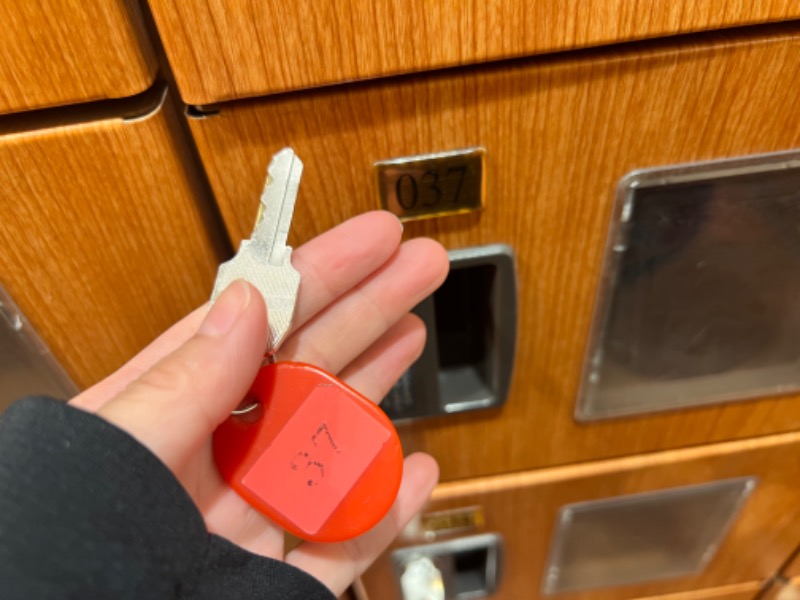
(88, 512)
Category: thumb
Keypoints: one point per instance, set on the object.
(175, 406)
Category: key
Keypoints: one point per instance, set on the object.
(315, 456)
(265, 260)
(308, 451)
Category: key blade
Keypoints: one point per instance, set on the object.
(277, 205)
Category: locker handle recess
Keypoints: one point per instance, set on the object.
(472, 328)
(468, 567)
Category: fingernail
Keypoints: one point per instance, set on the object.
(226, 310)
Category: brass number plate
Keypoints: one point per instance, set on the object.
(446, 522)
(432, 185)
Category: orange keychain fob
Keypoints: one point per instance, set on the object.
(312, 454)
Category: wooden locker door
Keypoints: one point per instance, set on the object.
(559, 134)
(56, 52)
(278, 46)
(524, 508)
(793, 569)
(105, 237)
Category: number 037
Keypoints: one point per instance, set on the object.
(433, 185)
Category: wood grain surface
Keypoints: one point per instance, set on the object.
(105, 243)
(226, 49)
(56, 52)
(737, 591)
(523, 508)
(559, 134)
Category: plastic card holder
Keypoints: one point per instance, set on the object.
(642, 537)
(699, 300)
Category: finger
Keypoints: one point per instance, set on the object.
(329, 265)
(336, 261)
(189, 392)
(354, 322)
(337, 565)
(376, 370)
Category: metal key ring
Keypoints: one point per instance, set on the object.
(245, 410)
(268, 360)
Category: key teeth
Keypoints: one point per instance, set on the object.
(267, 249)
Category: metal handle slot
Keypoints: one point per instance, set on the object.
(697, 303)
(468, 568)
(468, 358)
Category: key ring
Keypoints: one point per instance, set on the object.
(269, 359)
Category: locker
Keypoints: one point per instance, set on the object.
(547, 492)
(106, 239)
(56, 52)
(559, 133)
(274, 46)
(659, 524)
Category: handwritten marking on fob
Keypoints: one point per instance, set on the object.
(297, 462)
(324, 429)
(314, 460)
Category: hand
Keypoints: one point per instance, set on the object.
(358, 284)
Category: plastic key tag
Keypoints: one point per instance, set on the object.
(314, 455)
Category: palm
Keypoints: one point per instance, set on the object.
(224, 510)
(352, 320)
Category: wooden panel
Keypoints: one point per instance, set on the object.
(559, 135)
(793, 569)
(104, 241)
(739, 591)
(55, 52)
(229, 49)
(523, 509)
(782, 589)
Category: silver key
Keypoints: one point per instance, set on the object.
(265, 260)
